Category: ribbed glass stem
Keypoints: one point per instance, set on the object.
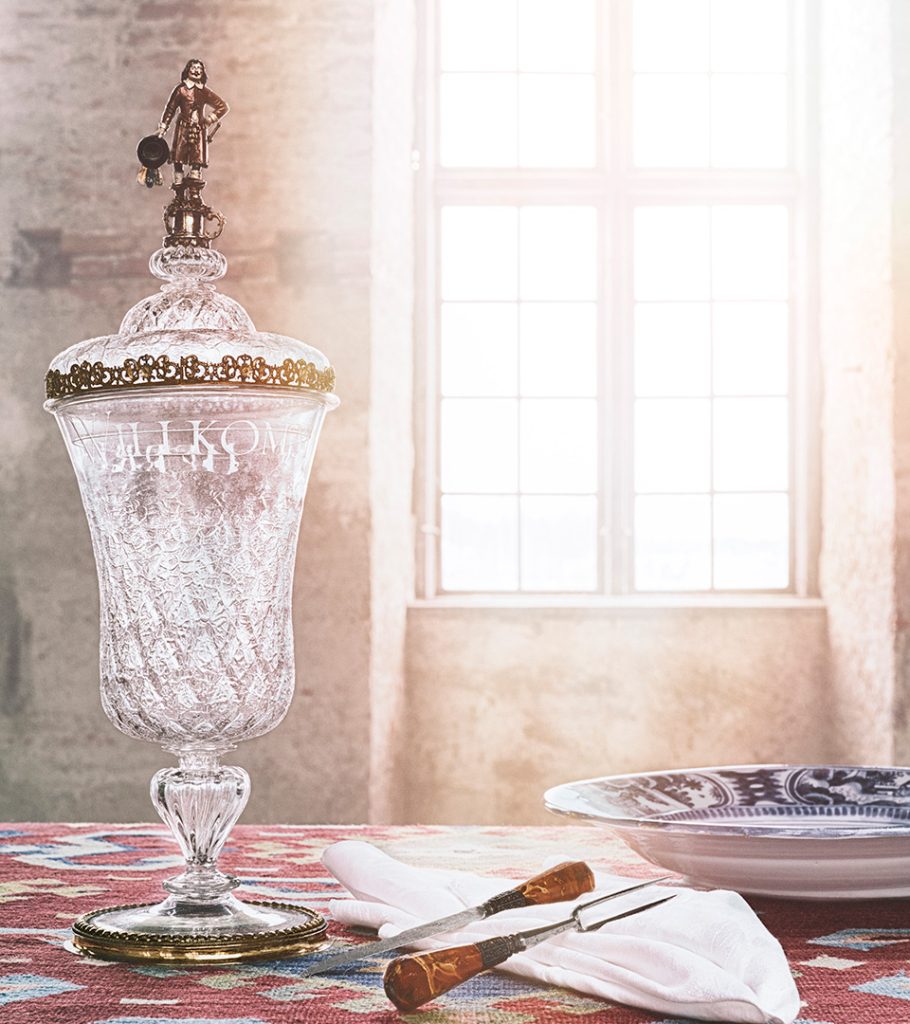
(200, 801)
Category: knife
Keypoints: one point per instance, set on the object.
(566, 881)
(412, 980)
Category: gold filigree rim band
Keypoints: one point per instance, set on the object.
(148, 370)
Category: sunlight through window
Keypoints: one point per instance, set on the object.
(614, 246)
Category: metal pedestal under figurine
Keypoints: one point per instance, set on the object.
(187, 218)
(192, 436)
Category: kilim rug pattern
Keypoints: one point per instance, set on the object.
(851, 960)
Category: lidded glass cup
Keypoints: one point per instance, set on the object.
(192, 436)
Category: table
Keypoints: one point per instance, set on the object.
(851, 960)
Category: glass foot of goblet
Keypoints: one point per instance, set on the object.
(200, 921)
(174, 931)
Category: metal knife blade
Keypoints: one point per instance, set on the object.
(422, 931)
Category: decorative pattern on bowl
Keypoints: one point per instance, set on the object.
(807, 800)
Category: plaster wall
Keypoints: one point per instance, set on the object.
(506, 702)
(295, 170)
(859, 567)
(391, 464)
(900, 299)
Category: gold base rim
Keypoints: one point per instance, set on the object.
(103, 944)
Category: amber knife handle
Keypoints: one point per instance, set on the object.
(567, 881)
(410, 981)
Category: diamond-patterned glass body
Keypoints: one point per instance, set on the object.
(194, 500)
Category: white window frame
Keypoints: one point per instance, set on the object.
(615, 187)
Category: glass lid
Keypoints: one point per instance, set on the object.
(188, 332)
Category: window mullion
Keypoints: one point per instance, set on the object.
(604, 332)
(426, 333)
(805, 397)
(622, 435)
(573, 190)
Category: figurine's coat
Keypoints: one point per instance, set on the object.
(190, 134)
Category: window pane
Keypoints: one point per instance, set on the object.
(556, 35)
(750, 348)
(672, 444)
(558, 543)
(672, 247)
(749, 35)
(558, 445)
(479, 543)
(478, 125)
(672, 348)
(749, 120)
(750, 252)
(479, 252)
(479, 348)
(477, 35)
(558, 252)
(673, 543)
(751, 541)
(750, 444)
(479, 444)
(670, 35)
(556, 121)
(671, 123)
(557, 349)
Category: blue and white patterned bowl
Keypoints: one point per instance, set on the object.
(802, 831)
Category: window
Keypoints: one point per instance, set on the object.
(615, 332)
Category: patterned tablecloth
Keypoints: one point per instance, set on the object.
(851, 960)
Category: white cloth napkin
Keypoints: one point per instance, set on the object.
(703, 955)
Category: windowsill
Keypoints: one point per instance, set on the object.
(638, 603)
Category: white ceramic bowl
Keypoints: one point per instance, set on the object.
(797, 831)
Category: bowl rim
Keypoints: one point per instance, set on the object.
(816, 828)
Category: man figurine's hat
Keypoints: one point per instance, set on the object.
(152, 152)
